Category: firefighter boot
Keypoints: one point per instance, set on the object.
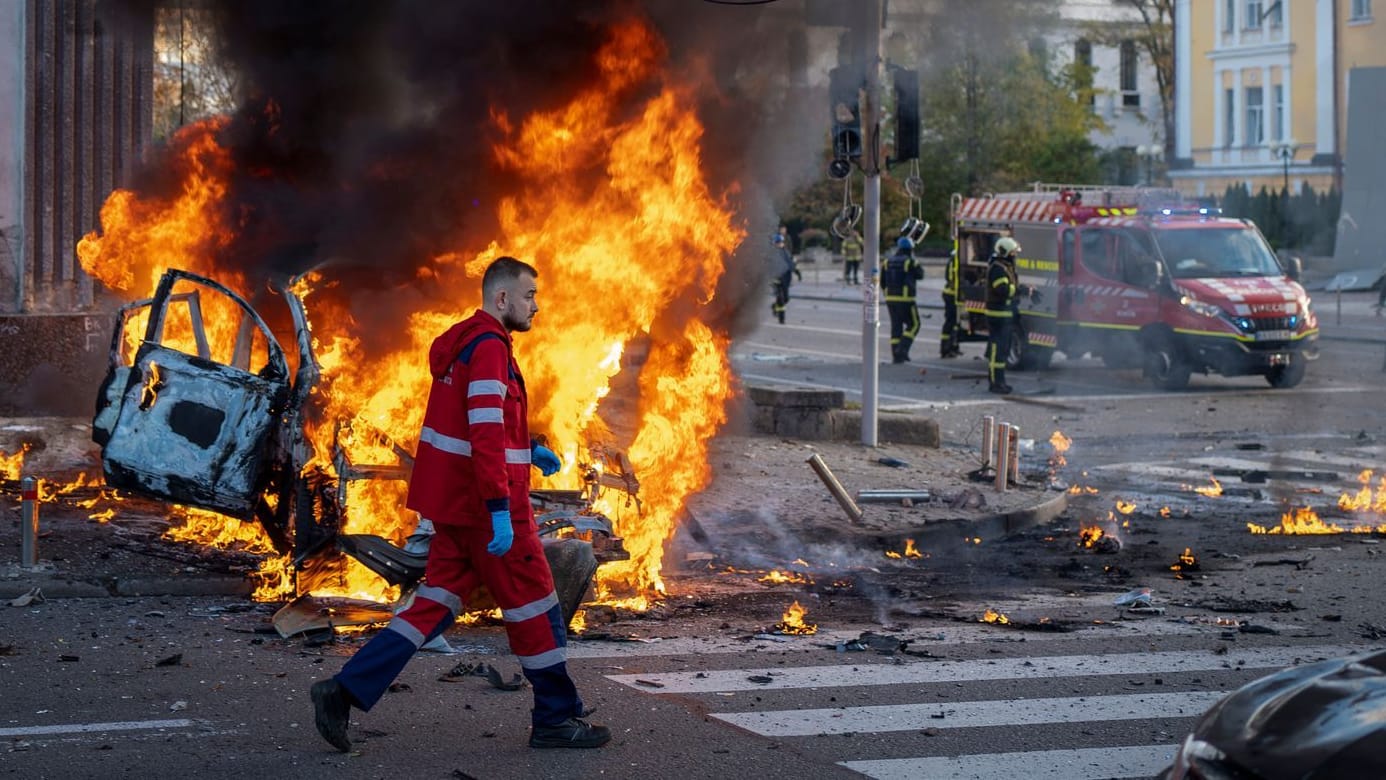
(571, 733)
(332, 713)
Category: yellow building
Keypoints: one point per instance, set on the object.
(1261, 90)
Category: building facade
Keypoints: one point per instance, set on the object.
(1261, 90)
(1125, 91)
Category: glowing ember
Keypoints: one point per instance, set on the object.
(1090, 536)
(1305, 521)
(613, 198)
(1165, 511)
(1187, 562)
(910, 551)
(103, 516)
(12, 466)
(1081, 490)
(1125, 507)
(778, 577)
(992, 616)
(1363, 500)
(1211, 491)
(793, 622)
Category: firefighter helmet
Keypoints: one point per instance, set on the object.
(905, 243)
(1007, 247)
(777, 238)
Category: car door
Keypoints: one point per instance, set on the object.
(191, 418)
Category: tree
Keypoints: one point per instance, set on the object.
(1153, 34)
(191, 80)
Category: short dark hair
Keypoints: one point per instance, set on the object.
(504, 269)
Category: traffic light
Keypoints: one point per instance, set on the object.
(906, 113)
(843, 87)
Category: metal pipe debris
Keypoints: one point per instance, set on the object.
(988, 438)
(891, 496)
(28, 521)
(1014, 448)
(1003, 456)
(843, 499)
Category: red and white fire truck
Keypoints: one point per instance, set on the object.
(1141, 279)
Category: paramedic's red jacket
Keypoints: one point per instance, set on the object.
(474, 448)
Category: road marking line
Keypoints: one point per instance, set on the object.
(86, 728)
(1107, 762)
(1019, 668)
(878, 719)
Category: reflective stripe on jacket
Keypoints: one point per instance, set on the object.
(474, 448)
(1001, 288)
(899, 273)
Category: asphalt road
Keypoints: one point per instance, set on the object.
(1073, 687)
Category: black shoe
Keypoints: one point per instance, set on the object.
(332, 713)
(897, 361)
(781, 317)
(571, 733)
(1002, 389)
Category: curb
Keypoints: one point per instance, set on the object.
(951, 534)
(54, 586)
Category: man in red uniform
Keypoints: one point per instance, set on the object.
(471, 479)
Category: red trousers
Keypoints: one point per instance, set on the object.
(522, 586)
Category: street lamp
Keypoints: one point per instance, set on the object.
(1150, 154)
(1285, 150)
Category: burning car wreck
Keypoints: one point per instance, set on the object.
(203, 407)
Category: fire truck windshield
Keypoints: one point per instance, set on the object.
(1205, 253)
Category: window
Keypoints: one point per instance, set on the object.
(1130, 98)
(1361, 9)
(1278, 112)
(1229, 118)
(1229, 16)
(1253, 14)
(1082, 59)
(1276, 14)
(1255, 117)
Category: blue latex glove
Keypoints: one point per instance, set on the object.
(503, 533)
(545, 458)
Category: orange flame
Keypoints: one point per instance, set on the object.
(647, 226)
(1363, 500)
(1089, 536)
(1079, 490)
(1125, 507)
(1305, 521)
(1187, 562)
(1211, 491)
(793, 621)
(12, 466)
(1165, 511)
(778, 577)
(992, 616)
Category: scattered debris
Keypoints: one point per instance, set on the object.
(892, 496)
(894, 463)
(761, 679)
(178, 706)
(882, 643)
(1140, 597)
(173, 660)
(1298, 563)
(493, 676)
(34, 596)
(649, 683)
(968, 498)
(844, 500)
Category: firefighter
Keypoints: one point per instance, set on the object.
(1002, 289)
(851, 258)
(899, 275)
(782, 271)
(471, 479)
(948, 338)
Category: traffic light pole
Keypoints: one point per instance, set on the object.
(871, 254)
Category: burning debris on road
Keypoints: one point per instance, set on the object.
(793, 622)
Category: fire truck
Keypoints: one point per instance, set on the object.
(1139, 278)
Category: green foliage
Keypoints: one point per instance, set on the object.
(1306, 221)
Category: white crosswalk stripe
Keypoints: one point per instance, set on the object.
(1287, 469)
(906, 717)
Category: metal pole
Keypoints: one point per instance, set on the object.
(1014, 449)
(1003, 456)
(28, 521)
(840, 493)
(988, 438)
(871, 254)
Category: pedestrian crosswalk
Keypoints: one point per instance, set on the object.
(908, 704)
(1302, 471)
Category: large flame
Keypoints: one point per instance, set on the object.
(1364, 500)
(1305, 521)
(12, 465)
(630, 243)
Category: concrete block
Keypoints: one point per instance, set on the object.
(796, 397)
(890, 428)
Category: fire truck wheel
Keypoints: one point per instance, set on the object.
(1166, 366)
(1023, 356)
(1282, 377)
